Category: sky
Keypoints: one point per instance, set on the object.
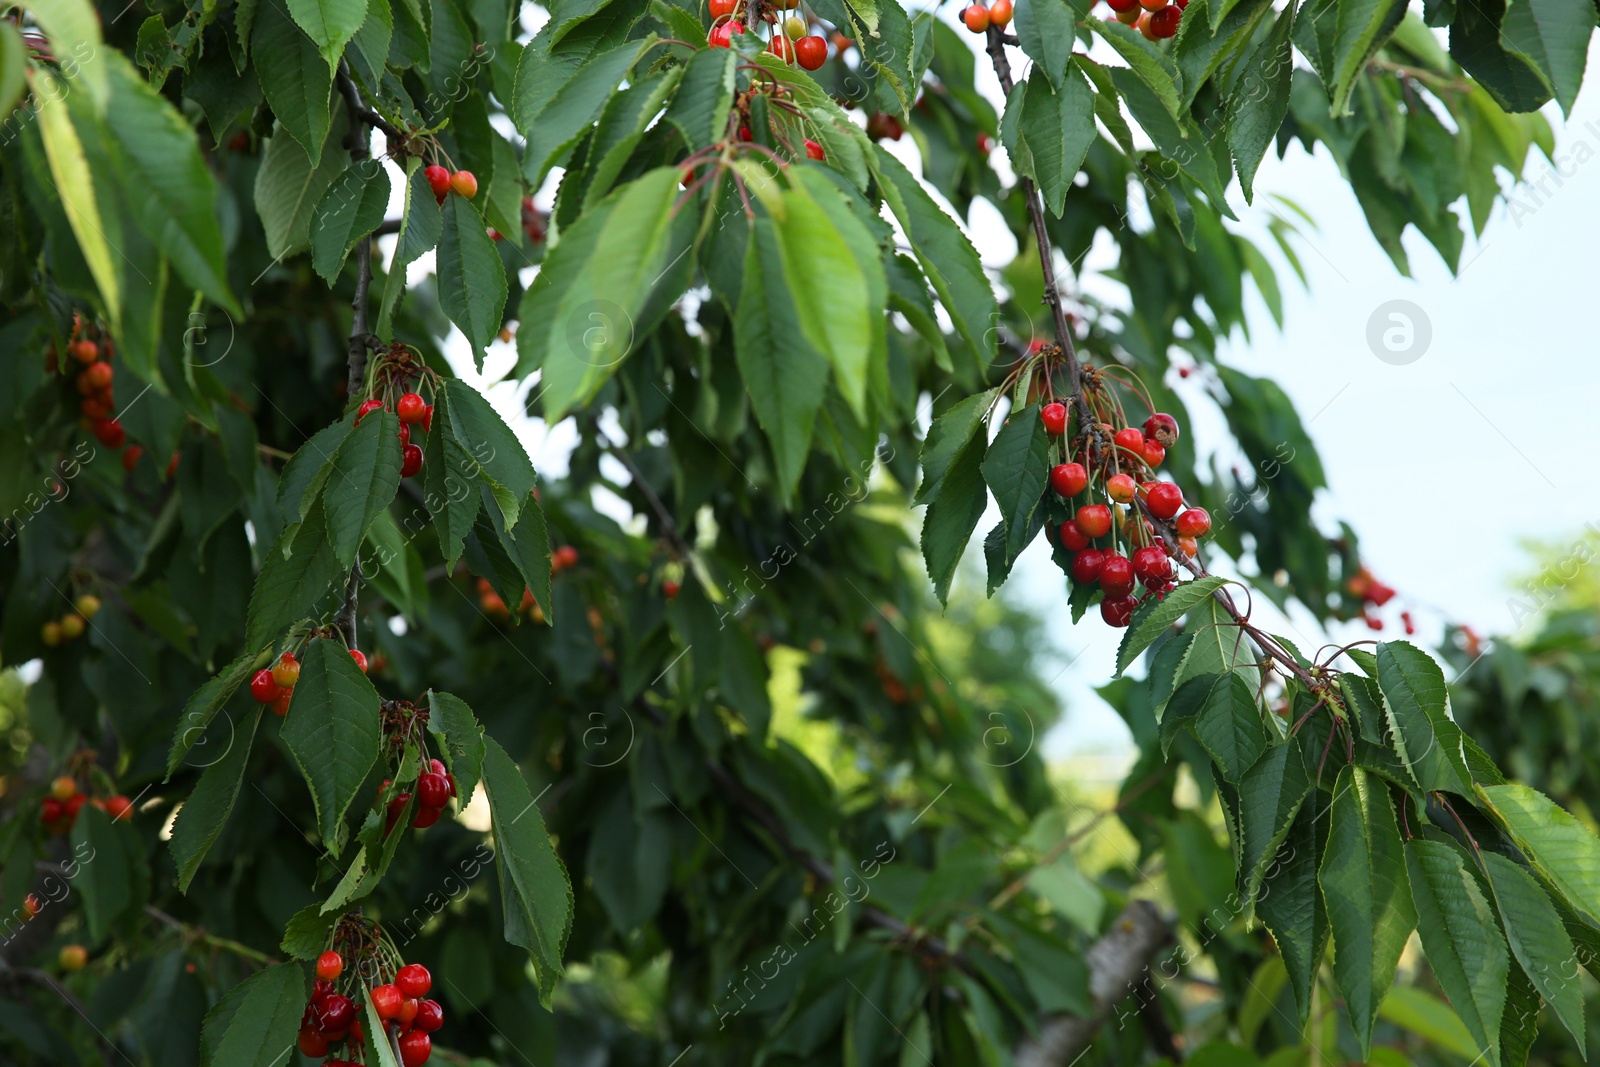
(1446, 459)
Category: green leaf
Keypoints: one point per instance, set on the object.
(329, 23)
(109, 864)
(351, 209)
(947, 437)
(382, 1051)
(558, 95)
(1043, 27)
(1552, 36)
(1431, 1019)
(451, 480)
(73, 27)
(1461, 938)
(535, 893)
(1360, 28)
(1270, 797)
(472, 278)
(450, 718)
(306, 934)
(629, 861)
(203, 706)
(13, 69)
(333, 732)
(484, 435)
(288, 189)
(1519, 1025)
(1290, 904)
(298, 83)
(421, 224)
(302, 478)
(1259, 100)
(1155, 617)
(593, 327)
(954, 514)
(1539, 939)
(1149, 63)
(299, 572)
(1048, 132)
(1475, 42)
(1423, 735)
(1225, 719)
(209, 804)
(785, 376)
(1558, 846)
(948, 259)
(363, 478)
(1017, 468)
(1364, 887)
(699, 109)
(255, 1023)
(69, 170)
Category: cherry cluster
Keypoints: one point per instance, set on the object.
(463, 182)
(275, 685)
(1156, 19)
(436, 787)
(979, 18)
(331, 1016)
(412, 410)
(59, 810)
(793, 42)
(70, 626)
(1148, 558)
(97, 405)
(1373, 595)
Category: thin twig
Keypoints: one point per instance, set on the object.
(359, 110)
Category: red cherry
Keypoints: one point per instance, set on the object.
(1000, 14)
(1086, 566)
(811, 52)
(280, 703)
(1164, 499)
(99, 375)
(386, 999)
(425, 816)
(367, 406)
(1094, 520)
(1117, 610)
(85, 351)
(109, 432)
(1151, 566)
(311, 1042)
(335, 1014)
(976, 17)
(438, 180)
(394, 810)
(464, 183)
(330, 965)
(51, 810)
(814, 150)
(411, 408)
(1121, 488)
(321, 989)
(287, 671)
(118, 807)
(408, 1012)
(669, 589)
(430, 1016)
(1116, 574)
(1053, 414)
(1373, 622)
(415, 1048)
(263, 688)
(1068, 479)
(1188, 546)
(1154, 454)
(413, 980)
(1072, 538)
(1194, 523)
(433, 790)
(722, 35)
(361, 659)
(1130, 440)
(723, 8)
(411, 461)
(1162, 428)
(427, 420)
(1164, 23)
(131, 456)
(1123, 5)
(781, 46)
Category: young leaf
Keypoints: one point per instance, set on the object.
(363, 478)
(296, 79)
(472, 278)
(1364, 886)
(535, 893)
(1461, 937)
(255, 1023)
(1536, 935)
(1155, 617)
(206, 811)
(449, 718)
(352, 208)
(333, 732)
(1422, 732)
(306, 934)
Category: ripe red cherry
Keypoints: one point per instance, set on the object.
(1117, 610)
(814, 150)
(1188, 546)
(311, 1042)
(280, 705)
(1123, 5)
(433, 790)
(1086, 566)
(438, 180)
(1068, 479)
(430, 1016)
(118, 807)
(1116, 574)
(408, 1011)
(976, 17)
(131, 456)
(415, 1048)
(811, 52)
(51, 810)
(411, 408)
(321, 989)
(465, 184)
(721, 8)
(85, 351)
(109, 432)
(335, 1014)
(1164, 23)
(1164, 499)
(781, 46)
(263, 688)
(1094, 520)
(99, 375)
(330, 965)
(1121, 488)
(1000, 14)
(425, 816)
(1153, 453)
(722, 35)
(1195, 522)
(1162, 428)
(1054, 415)
(361, 659)
(1130, 440)
(413, 980)
(1151, 566)
(366, 407)
(386, 999)
(411, 461)
(404, 433)
(1072, 538)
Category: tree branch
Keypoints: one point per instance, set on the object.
(359, 109)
